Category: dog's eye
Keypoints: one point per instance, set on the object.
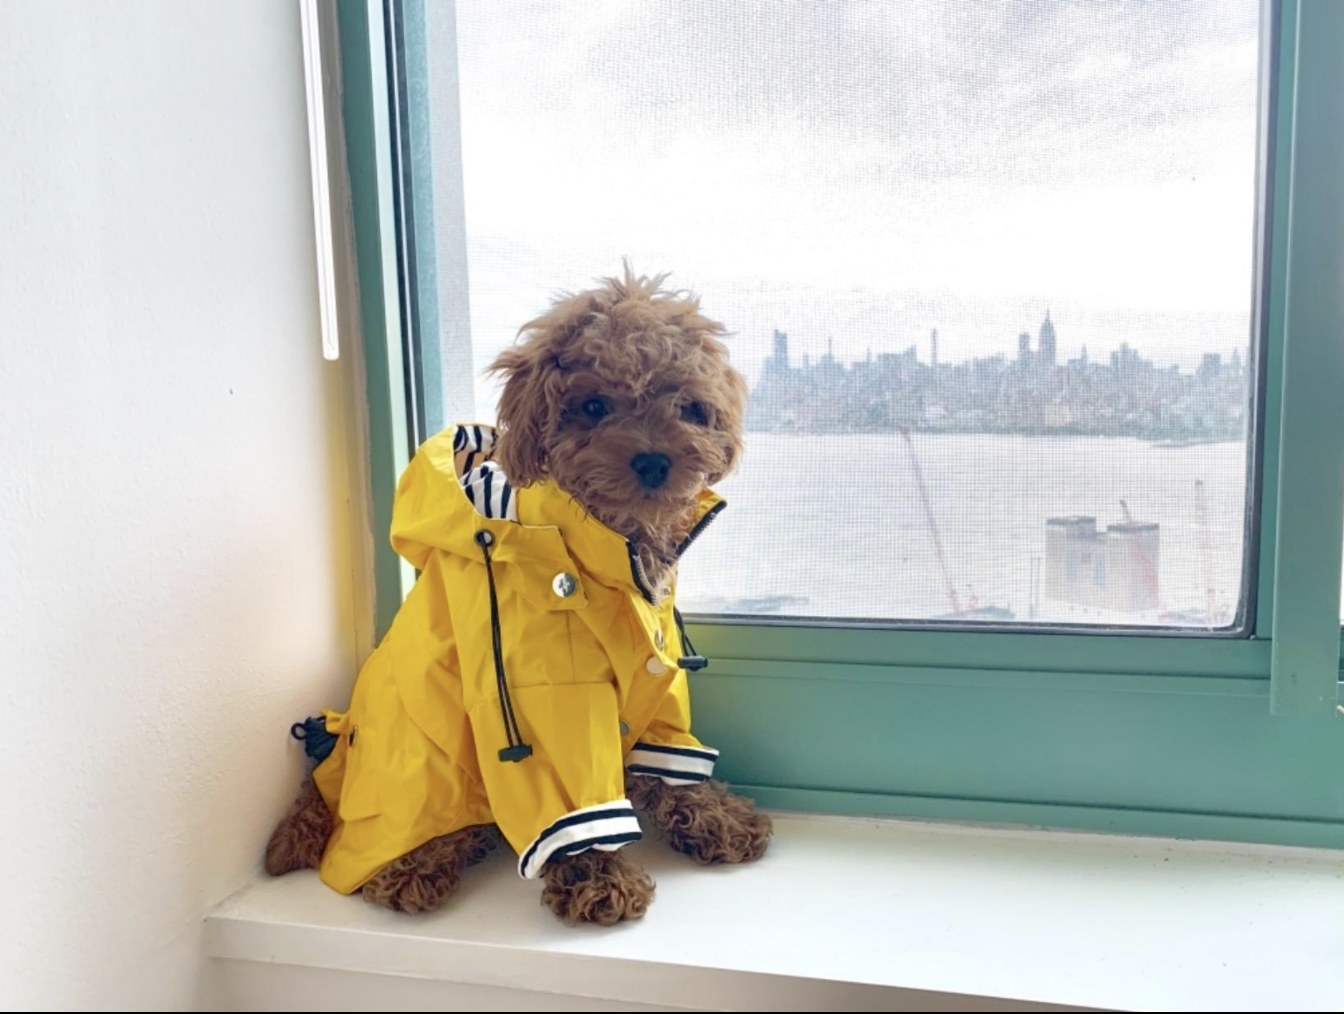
(595, 409)
(694, 412)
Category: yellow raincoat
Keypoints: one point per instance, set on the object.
(525, 671)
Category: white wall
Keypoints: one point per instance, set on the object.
(180, 559)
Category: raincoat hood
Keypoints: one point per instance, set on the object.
(455, 488)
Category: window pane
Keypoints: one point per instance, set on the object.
(989, 269)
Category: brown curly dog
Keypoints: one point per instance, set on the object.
(623, 396)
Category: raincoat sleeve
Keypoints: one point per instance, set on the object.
(568, 794)
(666, 749)
(555, 780)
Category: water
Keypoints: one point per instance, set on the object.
(833, 526)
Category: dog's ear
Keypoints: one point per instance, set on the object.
(730, 410)
(523, 414)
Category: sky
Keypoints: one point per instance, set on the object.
(861, 171)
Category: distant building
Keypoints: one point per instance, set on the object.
(1114, 571)
(1046, 350)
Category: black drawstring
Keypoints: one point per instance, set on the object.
(317, 741)
(691, 662)
(516, 750)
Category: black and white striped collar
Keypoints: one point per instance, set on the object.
(484, 482)
(601, 551)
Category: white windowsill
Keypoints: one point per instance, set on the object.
(866, 915)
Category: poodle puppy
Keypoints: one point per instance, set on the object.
(534, 684)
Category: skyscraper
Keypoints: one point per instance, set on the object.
(1046, 352)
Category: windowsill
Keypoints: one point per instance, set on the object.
(863, 914)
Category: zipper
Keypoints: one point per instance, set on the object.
(637, 572)
(700, 526)
(693, 661)
(637, 568)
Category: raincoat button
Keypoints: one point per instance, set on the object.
(658, 640)
(625, 729)
(564, 585)
(655, 667)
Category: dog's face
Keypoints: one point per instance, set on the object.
(622, 394)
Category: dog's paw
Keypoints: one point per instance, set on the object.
(424, 878)
(597, 887)
(298, 841)
(705, 821)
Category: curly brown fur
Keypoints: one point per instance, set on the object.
(625, 370)
(424, 878)
(598, 887)
(602, 384)
(705, 820)
(298, 840)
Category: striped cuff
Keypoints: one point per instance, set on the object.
(676, 765)
(607, 827)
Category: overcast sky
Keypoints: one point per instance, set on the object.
(866, 170)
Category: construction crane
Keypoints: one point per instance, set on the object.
(1145, 563)
(932, 523)
(1206, 553)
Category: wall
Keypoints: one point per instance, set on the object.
(181, 564)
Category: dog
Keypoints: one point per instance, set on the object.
(534, 684)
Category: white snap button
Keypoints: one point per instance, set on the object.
(655, 667)
(625, 729)
(564, 584)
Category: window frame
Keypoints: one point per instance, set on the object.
(1140, 732)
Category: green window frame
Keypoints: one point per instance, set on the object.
(1206, 737)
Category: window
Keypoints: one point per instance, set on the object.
(1142, 539)
(879, 214)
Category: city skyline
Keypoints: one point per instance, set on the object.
(1117, 392)
(936, 339)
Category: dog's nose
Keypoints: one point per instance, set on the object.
(652, 468)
